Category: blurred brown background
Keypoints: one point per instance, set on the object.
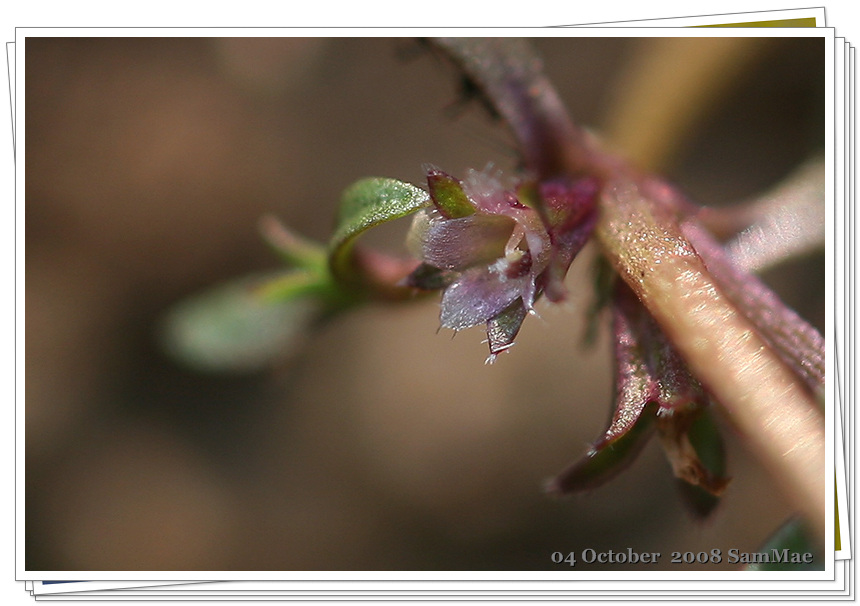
(384, 445)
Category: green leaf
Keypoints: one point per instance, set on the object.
(315, 283)
(793, 540)
(448, 195)
(607, 460)
(233, 328)
(705, 438)
(366, 204)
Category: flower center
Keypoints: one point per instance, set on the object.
(515, 264)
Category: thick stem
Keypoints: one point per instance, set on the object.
(765, 399)
(762, 397)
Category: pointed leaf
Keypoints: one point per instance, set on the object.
(635, 386)
(448, 195)
(503, 328)
(606, 460)
(704, 436)
(648, 369)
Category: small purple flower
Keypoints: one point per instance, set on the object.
(495, 250)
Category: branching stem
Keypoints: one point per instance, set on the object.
(643, 240)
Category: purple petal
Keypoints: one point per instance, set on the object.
(458, 244)
(477, 296)
(486, 191)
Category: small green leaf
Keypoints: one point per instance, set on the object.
(301, 283)
(705, 438)
(232, 328)
(366, 204)
(448, 195)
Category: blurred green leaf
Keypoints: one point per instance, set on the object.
(792, 539)
(294, 249)
(234, 328)
(705, 437)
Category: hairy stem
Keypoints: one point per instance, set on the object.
(764, 399)
(644, 242)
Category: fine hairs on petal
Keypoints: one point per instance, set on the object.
(491, 359)
(484, 187)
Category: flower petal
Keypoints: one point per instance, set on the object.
(486, 191)
(477, 296)
(459, 244)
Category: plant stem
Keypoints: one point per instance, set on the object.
(643, 240)
(761, 396)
